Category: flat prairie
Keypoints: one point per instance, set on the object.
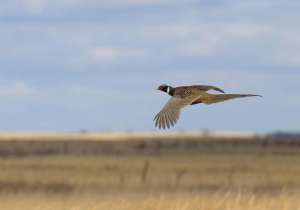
(155, 172)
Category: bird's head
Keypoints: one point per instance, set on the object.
(165, 88)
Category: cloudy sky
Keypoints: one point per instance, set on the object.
(68, 65)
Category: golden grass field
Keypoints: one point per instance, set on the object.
(188, 173)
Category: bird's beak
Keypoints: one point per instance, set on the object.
(157, 88)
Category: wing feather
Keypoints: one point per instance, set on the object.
(170, 113)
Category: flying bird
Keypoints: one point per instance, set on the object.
(188, 95)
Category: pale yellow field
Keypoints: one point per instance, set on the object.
(208, 182)
(54, 173)
(222, 200)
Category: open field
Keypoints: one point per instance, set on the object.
(174, 173)
(161, 201)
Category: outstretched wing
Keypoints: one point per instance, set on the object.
(169, 115)
(210, 99)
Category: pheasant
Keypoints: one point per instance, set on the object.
(188, 95)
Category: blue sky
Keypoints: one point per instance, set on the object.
(68, 65)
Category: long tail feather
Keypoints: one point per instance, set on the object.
(224, 97)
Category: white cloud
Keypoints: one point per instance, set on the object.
(246, 30)
(104, 54)
(205, 46)
(35, 7)
(114, 54)
(79, 89)
(206, 40)
(38, 7)
(288, 57)
(16, 89)
(146, 2)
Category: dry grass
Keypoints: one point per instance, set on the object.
(142, 173)
(153, 201)
(190, 176)
(206, 182)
